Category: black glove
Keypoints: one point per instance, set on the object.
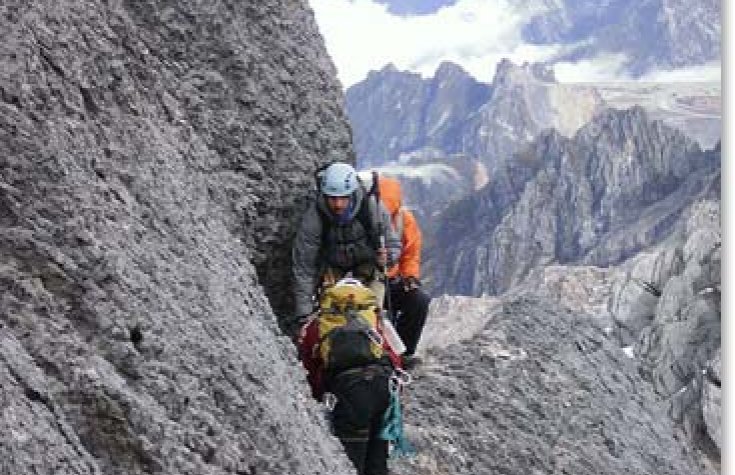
(410, 284)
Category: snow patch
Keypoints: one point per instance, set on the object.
(442, 120)
(428, 174)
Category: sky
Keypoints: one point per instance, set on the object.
(362, 35)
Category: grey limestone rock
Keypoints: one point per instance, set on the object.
(636, 296)
(394, 112)
(678, 338)
(539, 390)
(618, 187)
(712, 400)
(153, 159)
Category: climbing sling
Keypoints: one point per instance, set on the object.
(392, 430)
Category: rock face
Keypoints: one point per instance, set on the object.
(454, 318)
(582, 289)
(652, 34)
(398, 116)
(152, 159)
(616, 188)
(445, 136)
(538, 390)
(525, 101)
(694, 108)
(394, 112)
(712, 400)
(674, 326)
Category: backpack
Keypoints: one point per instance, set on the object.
(349, 327)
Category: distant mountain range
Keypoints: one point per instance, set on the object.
(397, 115)
(449, 134)
(617, 187)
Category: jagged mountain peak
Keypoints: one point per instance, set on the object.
(562, 200)
(389, 72)
(389, 68)
(449, 70)
(507, 73)
(619, 126)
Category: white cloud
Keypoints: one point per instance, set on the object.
(603, 68)
(610, 68)
(362, 36)
(709, 72)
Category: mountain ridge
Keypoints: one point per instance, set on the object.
(564, 195)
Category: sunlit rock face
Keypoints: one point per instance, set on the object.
(395, 112)
(153, 159)
(447, 136)
(674, 325)
(538, 389)
(619, 186)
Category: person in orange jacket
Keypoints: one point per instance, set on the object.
(408, 301)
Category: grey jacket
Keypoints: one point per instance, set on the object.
(310, 253)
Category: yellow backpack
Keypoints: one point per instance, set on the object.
(349, 332)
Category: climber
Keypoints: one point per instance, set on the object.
(353, 371)
(409, 303)
(343, 232)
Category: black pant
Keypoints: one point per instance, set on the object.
(411, 308)
(363, 396)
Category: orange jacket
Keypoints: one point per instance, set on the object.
(409, 264)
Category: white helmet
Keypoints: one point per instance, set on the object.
(339, 179)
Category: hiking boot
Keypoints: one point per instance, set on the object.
(411, 362)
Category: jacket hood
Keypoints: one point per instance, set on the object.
(390, 193)
(355, 202)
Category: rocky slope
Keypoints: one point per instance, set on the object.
(539, 390)
(667, 310)
(394, 112)
(616, 188)
(152, 160)
(526, 100)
